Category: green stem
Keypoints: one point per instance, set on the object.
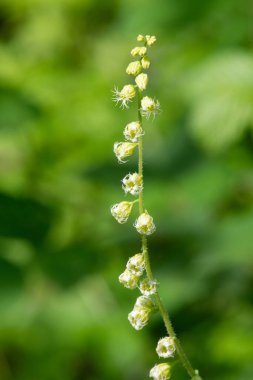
(180, 352)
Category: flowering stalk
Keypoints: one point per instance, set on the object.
(139, 264)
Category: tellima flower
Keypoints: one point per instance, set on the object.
(121, 211)
(144, 224)
(139, 317)
(136, 264)
(123, 150)
(160, 372)
(125, 95)
(128, 279)
(148, 287)
(132, 183)
(166, 347)
(142, 81)
(149, 107)
(134, 68)
(133, 131)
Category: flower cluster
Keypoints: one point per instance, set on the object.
(132, 183)
(149, 106)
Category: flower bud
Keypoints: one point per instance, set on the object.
(149, 107)
(139, 317)
(166, 347)
(121, 211)
(150, 40)
(144, 224)
(123, 150)
(134, 68)
(135, 51)
(132, 183)
(136, 264)
(160, 372)
(133, 131)
(148, 287)
(142, 81)
(145, 62)
(128, 279)
(141, 38)
(124, 96)
(142, 51)
(144, 302)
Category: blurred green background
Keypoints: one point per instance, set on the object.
(63, 314)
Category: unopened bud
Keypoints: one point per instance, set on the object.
(142, 81)
(134, 68)
(145, 62)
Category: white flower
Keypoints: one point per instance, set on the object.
(160, 372)
(133, 131)
(142, 81)
(121, 211)
(148, 287)
(132, 183)
(166, 347)
(145, 62)
(134, 68)
(139, 317)
(123, 150)
(144, 224)
(150, 40)
(125, 95)
(128, 279)
(136, 264)
(145, 302)
(149, 107)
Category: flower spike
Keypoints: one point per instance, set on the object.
(138, 273)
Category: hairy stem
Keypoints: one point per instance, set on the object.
(180, 352)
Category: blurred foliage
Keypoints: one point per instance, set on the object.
(63, 314)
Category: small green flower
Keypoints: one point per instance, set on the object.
(121, 211)
(160, 372)
(148, 287)
(124, 96)
(149, 107)
(128, 279)
(123, 150)
(132, 183)
(133, 131)
(139, 317)
(136, 264)
(166, 347)
(145, 224)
